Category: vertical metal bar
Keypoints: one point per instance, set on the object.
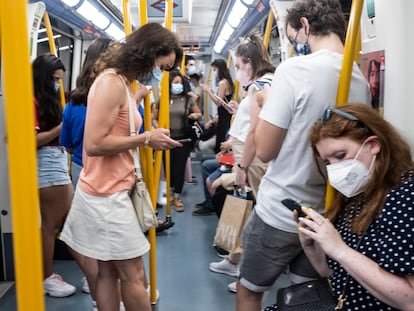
(21, 152)
(353, 40)
(53, 51)
(268, 30)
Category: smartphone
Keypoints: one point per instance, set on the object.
(293, 205)
(222, 101)
(184, 140)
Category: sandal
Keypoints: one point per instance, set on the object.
(178, 205)
(164, 225)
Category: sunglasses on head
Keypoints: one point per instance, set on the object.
(346, 115)
(329, 110)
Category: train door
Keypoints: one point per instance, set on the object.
(6, 251)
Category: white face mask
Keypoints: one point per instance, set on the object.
(243, 74)
(350, 177)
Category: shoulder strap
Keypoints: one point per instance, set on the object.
(132, 132)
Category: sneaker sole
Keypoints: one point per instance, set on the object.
(59, 295)
(223, 272)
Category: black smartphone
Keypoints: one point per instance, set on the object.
(293, 205)
(184, 140)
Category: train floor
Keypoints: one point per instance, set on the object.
(183, 255)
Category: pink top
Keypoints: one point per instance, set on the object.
(106, 175)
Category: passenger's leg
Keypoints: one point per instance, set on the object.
(133, 291)
(54, 206)
(107, 295)
(248, 300)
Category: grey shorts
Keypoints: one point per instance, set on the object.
(52, 166)
(267, 252)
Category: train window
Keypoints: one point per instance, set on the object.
(64, 41)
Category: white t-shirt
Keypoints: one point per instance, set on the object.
(302, 87)
(241, 122)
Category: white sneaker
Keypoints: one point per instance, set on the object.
(85, 285)
(157, 293)
(232, 287)
(54, 286)
(225, 267)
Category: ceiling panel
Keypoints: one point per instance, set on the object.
(198, 31)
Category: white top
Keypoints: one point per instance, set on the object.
(302, 87)
(241, 122)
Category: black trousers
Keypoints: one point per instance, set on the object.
(178, 159)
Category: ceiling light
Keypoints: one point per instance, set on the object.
(115, 32)
(101, 21)
(87, 10)
(237, 13)
(71, 2)
(227, 31)
(219, 45)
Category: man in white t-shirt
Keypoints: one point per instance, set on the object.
(302, 87)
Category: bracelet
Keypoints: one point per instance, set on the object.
(241, 167)
(147, 138)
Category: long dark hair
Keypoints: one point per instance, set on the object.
(135, 58)
(223, 72)
(79, 96)
(49, 109)
(393, 160)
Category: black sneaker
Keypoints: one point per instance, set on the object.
(204, 211)
(201, 204)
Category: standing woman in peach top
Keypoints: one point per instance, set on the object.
(101, 223)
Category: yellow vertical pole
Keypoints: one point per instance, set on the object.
(143, 14)
(149, 171)
(21, 147)
(53, 51)
(164, 121)
(353, 41)
(268, 30)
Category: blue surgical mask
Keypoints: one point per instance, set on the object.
(191, 70)
(157, 74)
(57, 86)
(177, 88)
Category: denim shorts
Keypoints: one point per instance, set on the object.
(267, 252)
(52, 166)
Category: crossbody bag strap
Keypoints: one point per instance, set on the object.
(132, 132)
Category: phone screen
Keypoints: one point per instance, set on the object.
(184, 140)
(223, 101)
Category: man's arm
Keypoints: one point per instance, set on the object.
(268, 140)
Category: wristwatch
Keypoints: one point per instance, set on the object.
(241, 167)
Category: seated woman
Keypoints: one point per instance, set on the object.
(364, 242)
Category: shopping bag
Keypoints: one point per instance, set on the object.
(234, 215)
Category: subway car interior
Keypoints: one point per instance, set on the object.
(178, 264)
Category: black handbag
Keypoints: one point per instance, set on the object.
(315, 295)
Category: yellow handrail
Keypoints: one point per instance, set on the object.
(268, 31)
(21, 147)
(353, 41)
(53, 51)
